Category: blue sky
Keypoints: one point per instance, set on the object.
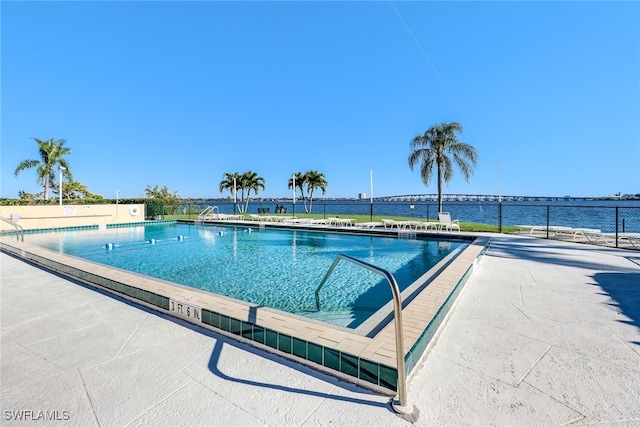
(178, 93)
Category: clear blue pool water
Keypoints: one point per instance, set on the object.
(268, 267)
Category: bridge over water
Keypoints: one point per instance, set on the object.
(472, 198)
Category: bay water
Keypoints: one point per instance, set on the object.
(606, 215)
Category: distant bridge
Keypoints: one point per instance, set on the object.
(477, 197)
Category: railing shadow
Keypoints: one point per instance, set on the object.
(213, 367)
(221, 340)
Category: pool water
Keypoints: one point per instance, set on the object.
(275, 268)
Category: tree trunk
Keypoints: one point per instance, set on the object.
(304, 201)
(46, 188)
(246, 206)
(310, 200)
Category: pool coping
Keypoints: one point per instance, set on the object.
(367, 361)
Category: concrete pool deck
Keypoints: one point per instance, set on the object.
(544, 333)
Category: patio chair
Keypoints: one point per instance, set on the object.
(390, 223)
(632, 238)
(590, 234)
(445, 221)
(368, 225)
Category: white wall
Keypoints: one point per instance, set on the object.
(70, 215)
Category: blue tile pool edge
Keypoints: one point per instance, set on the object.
(88, 227)
(378, 376)
(418, 350)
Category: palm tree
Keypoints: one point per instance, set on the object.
(230, 181)
(433, 149)
(314, 180)
(299, 183)
(250, 181)
(51, 154)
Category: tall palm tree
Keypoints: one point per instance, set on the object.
(314, 180)
(51, 154)
(439, 146)
(231, 182)
(299, 183)
(251, 181)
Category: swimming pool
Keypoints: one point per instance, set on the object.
(274, 268)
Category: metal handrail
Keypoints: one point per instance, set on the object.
(402, 406)
(205, 212)
(19, 229)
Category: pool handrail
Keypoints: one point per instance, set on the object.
(402, 406)
(19, 229)
(208, 213)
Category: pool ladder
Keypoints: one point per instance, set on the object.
(207, 213)
(19, 229)
(401, 406)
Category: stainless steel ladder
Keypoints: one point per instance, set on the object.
(402, 406)
(209, 210)
(19, 229)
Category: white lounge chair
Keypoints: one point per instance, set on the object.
(445, 221)
(368, 225)
(341, 222)
(588, 233)
(390, 223)
(427, 225)
(633, 238)
(599, 238)
(543, 228)
(302, 221)
(417, 225)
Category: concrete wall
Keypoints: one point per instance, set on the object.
(70, 215)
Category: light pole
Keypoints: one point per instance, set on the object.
(293, 178)
(235, 196)
(62, 168)
(371, 203)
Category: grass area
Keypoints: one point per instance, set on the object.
(464, 226)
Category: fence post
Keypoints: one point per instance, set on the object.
(548, 209)
(500, 217)
(617, 213)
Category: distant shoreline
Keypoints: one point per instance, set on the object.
(432, 198)
(417, 198)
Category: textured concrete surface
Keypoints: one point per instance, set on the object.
(544, 333)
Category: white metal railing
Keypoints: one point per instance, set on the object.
(208, 213)
(19, 229)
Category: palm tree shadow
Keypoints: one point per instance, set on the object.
(213, 368)
(624, 290)
(622, 286)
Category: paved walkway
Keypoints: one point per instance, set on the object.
(545, 333)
